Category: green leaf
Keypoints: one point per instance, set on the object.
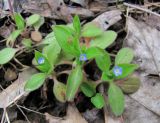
(87, 89)
(59, 90)
(33, 19)
(20, 23)
(104, 62)
(124, 56)
(91, 30)
(65, 39)
(129, 85)
(49, 38)
(38, 24)
(35, 82)
(76, 44)
(6, 55)
(98, 101)
(27, 43)
(11, 39)
(127, 69)
(116, 99)
(73, 82)
(104, 40)
(65, 56)
(52, 52)
(46, 66)
(77, 25)
(106, 77)
(94, 52)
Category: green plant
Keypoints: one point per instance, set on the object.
(66, 42)
(10, 51)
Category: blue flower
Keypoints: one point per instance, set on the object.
(117, 71)
(83, 57)
(41, 60)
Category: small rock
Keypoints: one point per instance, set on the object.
(36, 36)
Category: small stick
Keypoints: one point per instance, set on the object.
(3, 116)
(142, 9)
(31, 110)
(7, 118)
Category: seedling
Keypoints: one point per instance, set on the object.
(68, 41)
(8, 53)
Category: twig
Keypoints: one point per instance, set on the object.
(142, 9)
(31, 110)
(16, 105)
(10, 6)
(7, 118)
(3, 116)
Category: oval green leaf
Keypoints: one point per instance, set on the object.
(98, 101)
(12, 37)
(6, 55)
(116, 99)
(104, 40)
(124, 56)
(52, 52)
(64, 38)
(35, 82)
(27, 42)
(20, 23)
(94, 52)
(103, 62)
(46, 66)
(59, 90)
(77, 25)
(87, 89)
(91, 30)
(38, 24)
(33, 19)
(73, 82)
(129, 85)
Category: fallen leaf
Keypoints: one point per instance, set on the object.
(107, 19)
(137, 113)
(144, 40)
(16, 90)
(73, 116)
(36, 36)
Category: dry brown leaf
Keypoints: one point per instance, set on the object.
(36, 36)
(107, 19)
(73, 116)
(137, 113)
(144, 40)
(16, 90)
(55, 9)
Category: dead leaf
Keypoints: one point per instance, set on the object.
(83, 3)
(36, 36)
(10, 75)
(144, 40)
(5, 31)
(107, 19)
(93, 116)
(16, 90)
(137, 113)
(54, 9)
(73, 116)
(148, 93)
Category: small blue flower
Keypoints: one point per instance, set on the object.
(83, 57)
(41, 60)
(117, 71)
